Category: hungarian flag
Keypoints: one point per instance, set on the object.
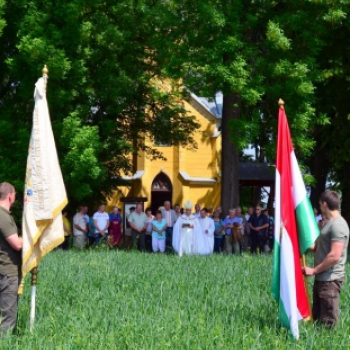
(45, 194)
(295, 232)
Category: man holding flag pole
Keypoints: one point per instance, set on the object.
(330, 259)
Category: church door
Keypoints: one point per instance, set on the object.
(161, 191)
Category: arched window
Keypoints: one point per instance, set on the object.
(161, 191)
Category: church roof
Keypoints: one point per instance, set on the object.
(136, 176)
(196, 180)
(213, 104)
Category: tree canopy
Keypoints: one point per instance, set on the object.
(254, 53)
(116, 71)
(105, 88)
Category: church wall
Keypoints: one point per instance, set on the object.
(198, 161)
(205, 195)
(202, 162)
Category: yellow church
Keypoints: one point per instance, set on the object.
(185, 174)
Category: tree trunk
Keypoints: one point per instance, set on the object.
(230, 154)
(319, 169)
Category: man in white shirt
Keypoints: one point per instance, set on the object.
(170, 218)
(101, 223)
(138, 222)
(86, 217)
(79, 229)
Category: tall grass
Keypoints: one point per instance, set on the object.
(116, 300)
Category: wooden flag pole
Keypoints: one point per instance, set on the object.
(306, 283)
(34, 273)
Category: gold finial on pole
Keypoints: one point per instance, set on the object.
(281, 103)
(34, 272)
(45, 70)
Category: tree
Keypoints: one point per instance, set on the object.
(2, 21)
(331, 157)
(254, 52)
(105, 93)
(109, 85)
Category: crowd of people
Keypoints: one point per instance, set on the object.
(212, 231)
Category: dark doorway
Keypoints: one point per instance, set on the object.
(161, 191)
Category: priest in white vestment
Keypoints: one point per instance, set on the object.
(206, 241)
(186, 233)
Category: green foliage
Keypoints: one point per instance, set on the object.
(2, 21)
(81, 161)
(255, 53)
(103, 97)
(117, 300)
(277, 37)
(109, 88)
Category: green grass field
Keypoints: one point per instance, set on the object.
(107, 299)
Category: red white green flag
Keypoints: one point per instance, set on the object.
(295, 232)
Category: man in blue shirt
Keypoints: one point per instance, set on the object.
(228, 223)
(259, 224)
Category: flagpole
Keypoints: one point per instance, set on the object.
(34, 273)
(45, 193)
(307, 288)
(281, 104)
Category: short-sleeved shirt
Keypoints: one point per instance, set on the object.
(115, 217)
(79, 220)
(257, 221)
(159, 225)
(92, 230)
(138, 220)
(101, 220)
(218, 225)
(335, 230)
(229, 221)
(86, 218)
(66, 222)
(149, 224)
(10, 259)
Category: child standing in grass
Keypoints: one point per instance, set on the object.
(158, 233)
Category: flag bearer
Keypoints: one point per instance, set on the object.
(330, 259)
